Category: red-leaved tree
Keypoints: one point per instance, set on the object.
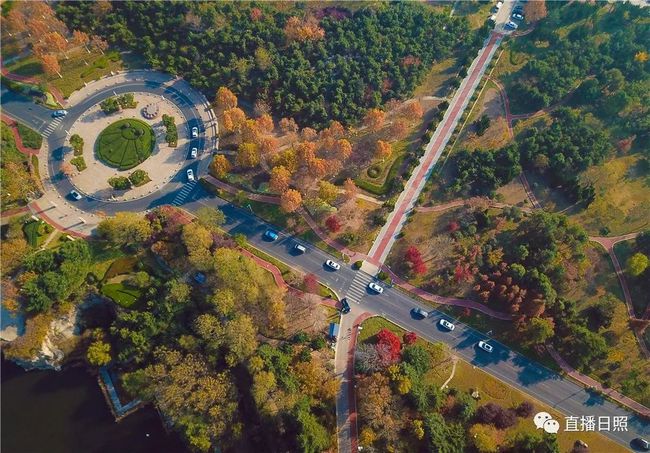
(333, 224)
(311, 283)
(414, 257)
(410, 338)
(388, 345)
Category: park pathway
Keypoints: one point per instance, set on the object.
(406, 201)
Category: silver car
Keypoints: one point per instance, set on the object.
(485, 346)
(375, 287)
(447, 325)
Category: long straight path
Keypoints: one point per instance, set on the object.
(406, 201)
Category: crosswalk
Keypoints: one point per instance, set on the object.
(182, 195)
(51, 126)
(358, 287)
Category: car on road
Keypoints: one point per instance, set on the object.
(511, 25)
(484, 345)
(375, 287)
(195, 132)
(333, 265)
(194, 153)
(446, 324)
(271, 235)
(420, 313)
(517, 16)
(641, 444)
(75, 195)
(345, 306)
(190, 175)
(59, 113)
(299, 248)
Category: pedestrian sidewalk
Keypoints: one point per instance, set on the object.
(19, 78)
(591, 383)
(18, 139)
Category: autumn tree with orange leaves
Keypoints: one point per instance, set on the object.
(535, 10)
(225, 99)
(290, 200)
(374, 119)
(219, 166)
(300, 30)
(383, 150)
(280, 178)
(51, 64)
(233, 119)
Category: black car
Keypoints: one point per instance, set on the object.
(641, 444)
(345, 306)
(518, 9)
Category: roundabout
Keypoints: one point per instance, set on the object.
(125, 143)
(165, 181)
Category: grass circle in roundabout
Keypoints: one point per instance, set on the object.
(125, 143)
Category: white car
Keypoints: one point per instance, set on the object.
(195, 132)
(499, 5)
(75, 195)
(517, 16)
(512, 25)
(375, 287)
(447, 325)
(59, 113)
(190, 175)
(333, 265)
(194, 153)
(485, 346)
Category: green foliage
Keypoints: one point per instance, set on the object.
(171, 136)
(109, 105)
(121, 294)
(537, 331)
(413, 37)
(483, 171)
(119, 182)
(79, 162)
(77, 144)
(637, 264)
(139, 177)
(443, 437)
(29, 137)
(125, 143)
(17, 183)
(99, 353)
(482, 124)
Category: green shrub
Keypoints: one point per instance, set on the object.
(126, 101)
(374, 171)
(139, 178)
(77, 144)
(357, 264)
(120, 182)
(79, 162)
(171, 137)
(109, 105)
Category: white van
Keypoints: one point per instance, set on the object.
(299, 248)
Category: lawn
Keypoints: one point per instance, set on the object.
(125, 143)
(103, 257)
(31, 138)
(36, 231)
(377, 177)
(468, 378)
(436, 81)
(120, 294)
(80, 67)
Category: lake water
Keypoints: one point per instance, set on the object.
(65, 411)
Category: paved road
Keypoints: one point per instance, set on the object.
(512, 368)
(54, 130)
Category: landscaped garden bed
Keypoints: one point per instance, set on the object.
(125, 143)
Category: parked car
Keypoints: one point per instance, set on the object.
(299, 248)
(345, 306)
(271, 235)
(75, 195)
(493, 18)
(420, 313)
(485, 346)
(190, 175)
(447, 325)
(498, 5)
(333, 265)
(375, 287)
(194, 153)
(518, 9)
(59, 113)
(517, 16)
(641, 444)
(511, 25)
(195, 132)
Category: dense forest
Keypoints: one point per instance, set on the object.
(596, 45)
(330, 65)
